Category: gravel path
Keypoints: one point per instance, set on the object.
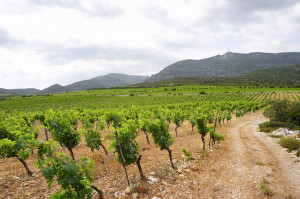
(238, 167)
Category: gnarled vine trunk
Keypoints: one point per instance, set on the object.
(98, 190)
(25, 165)
(138, 163)
(171, 160)
(104, 149)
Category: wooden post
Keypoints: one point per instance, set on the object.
(122, 158)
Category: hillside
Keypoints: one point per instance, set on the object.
(282, 76)
(56, 88)
(25, 91)
(109, 80)
(104, 81)
(227, 65)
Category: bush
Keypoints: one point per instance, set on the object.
(290, 143)
(298, 152)
(284, 111)
(273, 125)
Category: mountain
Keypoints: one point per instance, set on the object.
(104, 81)
(109, 80)
(282, 76)
(227, 65)
(25, 91)
(56, 88)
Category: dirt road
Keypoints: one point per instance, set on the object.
(245, 161)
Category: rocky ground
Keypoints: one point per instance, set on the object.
(248, 165)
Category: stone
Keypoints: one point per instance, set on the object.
(165, 183)
(152, 179)
(135, 195)
(128, 190)
(15, 177)
(150, 182)
(118, 194)
(155, 197)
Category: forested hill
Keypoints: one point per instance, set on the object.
(282, 76)
(227, 65)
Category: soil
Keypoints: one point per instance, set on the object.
(232, 169)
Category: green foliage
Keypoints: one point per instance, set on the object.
(192, 120)
(201, 125)
(289, 143)
(216, 136)
(188, 155)
(61, 125)
(75, 180)
(176, 118)
(127, 134)
(92, 137)
(143, 124)
(282, 114)
(16, 136)
(160, 134)
(115, 118)
(273, 125)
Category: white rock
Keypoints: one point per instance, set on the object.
(150, 182)
(118, 194)
(128, 190)
(155, 197)
(165, 183)
(135, 195)
(15, 177)
(155, 180)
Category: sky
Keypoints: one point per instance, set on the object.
(43, 42)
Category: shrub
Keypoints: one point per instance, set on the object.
(298, 152)
(273, 125)
(290, 143)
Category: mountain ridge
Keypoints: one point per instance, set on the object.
(228, 64)
(103, 81)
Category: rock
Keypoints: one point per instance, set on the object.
(118, 194)
(135, 195)
(15, 177)
(152, 179)
(110, 190)
(286, 133)
(150, 182)
(128, 190)
(181, 175)
(155, 197)
(165, 183)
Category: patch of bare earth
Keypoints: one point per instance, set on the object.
(232, 169)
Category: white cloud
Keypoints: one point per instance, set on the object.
(43, 42)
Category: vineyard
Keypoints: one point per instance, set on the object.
(97, 143)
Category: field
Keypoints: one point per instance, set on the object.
(231, 169)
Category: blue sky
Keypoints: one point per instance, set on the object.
(43, 42)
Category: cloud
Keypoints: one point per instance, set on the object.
(43, 42)
(91, 8)
(7, 40)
